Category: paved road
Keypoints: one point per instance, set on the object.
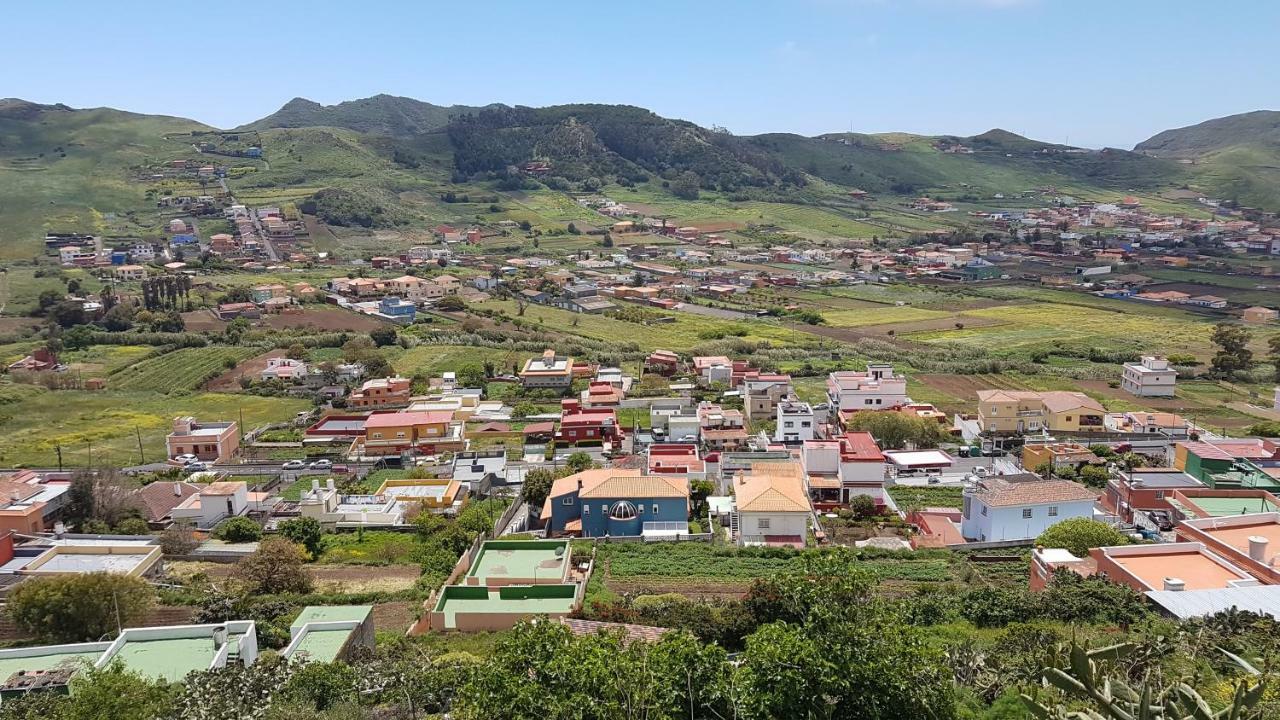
(257, 225)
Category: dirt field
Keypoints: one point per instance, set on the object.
(13, 324)
(323, 318)
(328, 578)
(946, 323)
(967, 386)
(697, 589)
(230, 380)
(203, 321)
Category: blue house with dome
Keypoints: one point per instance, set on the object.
(616, 502)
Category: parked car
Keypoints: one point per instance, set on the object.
(321, 464)
(186, 459)
(341, 469)
(195, 467)
(294, 465)
(981, 472)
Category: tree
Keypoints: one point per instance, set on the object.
(67, 314)
(238, 530)
(472, 375)
(895, 430)
(118, 318)
(537, 485)
(103, 495)
(322, 685)
(275, 567)
(383, 336)
(178, 539)
(1233, 353)
(1095, 476)
(296, 351)
(304, 531)
(78, 608)
(863, 506)
(578, 461)
(47, 299)
(115, 693)
(1079, 535)
(450, 303)
(685, 186)
(133, 526)
(607, 241)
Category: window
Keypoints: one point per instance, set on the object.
(377, 436)
(400, 434)
(806, 423)
(640, 507)
(586, 509)
(984, 511)
(1053, 511)
(1026, 514)
(1068, 418)
(867, 401)
(1159, 494)
(788, 424)
(568, 500)
(995, 411)
(763, 523)
(655, 508)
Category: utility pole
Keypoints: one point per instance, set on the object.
(141, 455)
(59, 449)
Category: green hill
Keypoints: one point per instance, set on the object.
(377, 115)
(65, 169)
(1235, 157)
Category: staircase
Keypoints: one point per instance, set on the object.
(733, 525)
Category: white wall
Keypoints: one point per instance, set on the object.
(1008, 523)
(784, 523)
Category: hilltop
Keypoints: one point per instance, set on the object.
(377, 115)
(1235, 157)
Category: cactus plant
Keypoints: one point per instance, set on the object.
(1086, 675)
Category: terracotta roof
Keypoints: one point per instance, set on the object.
(619, 483)
(380, 420)
(1028, 489)
(160, 498)
(222, 488)
(630, 633)
(772, 487)
(1053, 400)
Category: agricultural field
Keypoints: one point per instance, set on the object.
(910, 498)
(684, 332)
(179, 371)
(36, 421)
(431, 360)
(100, 360)
(880, 316)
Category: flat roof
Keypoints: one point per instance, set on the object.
(172, 658)
(1237, 536)
(84, 655)
(1196, 569)
(520, 559)
(421, 491)
(60, 562)
(1163, 478)
(321, 645)
(340, 425)
(1222, 506)
(919, 458)
(331, 613)
(1261, 599)
(495, 603)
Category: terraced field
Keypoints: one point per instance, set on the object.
(880, 315)
(180, 370)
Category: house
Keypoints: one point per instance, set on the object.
(676, 458)
(1024, 411)
(231, 311)
(1152, 376)
(548, 371)
(720, 428)
(286, 369)
(30, 504)
(1144, 490)
(617, 502)
(1247, 541)
(772, 505)
(1164, 424)
(42, 359)
(713, 369)
(129, 273)
(662, 362)
(762, 394)
(382, 393)
(878, 388)
(263, 293)
(1208, 301)
(1056, 455)
(594, 424)
(1186, 568)
(395, 433)
(795, 422)
(214, 503)
(1205, 459)
(602, 394)
(1021, 507)
(158, 499)
(398, 310)
(842, 468)
(208, 441)
(1259, 314)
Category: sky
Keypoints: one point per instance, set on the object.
(1084, 72)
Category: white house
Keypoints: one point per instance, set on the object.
(772, 505)
(1020, 507)
(284, 369)
(214, 503)
(876, 389)
(795, 422)
(1150, 377)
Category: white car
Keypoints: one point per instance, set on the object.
(197, 467)
(294, 465)
(185, 459)
(322, 465)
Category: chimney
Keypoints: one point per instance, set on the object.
(742, 478)
(315, 485)
(1174, 585)
(330, 485)
(1258, 548)
(579, 484)
(177, 489)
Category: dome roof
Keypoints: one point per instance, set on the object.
(622, 510)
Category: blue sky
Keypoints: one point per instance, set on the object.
(1091, 72)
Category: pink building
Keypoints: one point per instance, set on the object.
(212, 442)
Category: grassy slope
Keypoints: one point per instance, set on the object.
(90, 188)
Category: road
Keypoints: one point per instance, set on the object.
(257, 224)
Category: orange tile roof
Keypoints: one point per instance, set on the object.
(772, 487)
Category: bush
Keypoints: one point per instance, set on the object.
(304, 531)
(1079, 535)
(133, 526)
(78, 608)
(238, 530)
(275, 567)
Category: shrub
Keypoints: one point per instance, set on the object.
(237, 530)
(1079, 535)
(304, 531)
(275, 567)
(77, 608)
